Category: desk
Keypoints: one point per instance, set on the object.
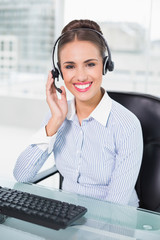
(103, 220)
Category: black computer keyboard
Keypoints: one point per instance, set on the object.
(36, 209)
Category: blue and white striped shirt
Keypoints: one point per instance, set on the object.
(100, 158)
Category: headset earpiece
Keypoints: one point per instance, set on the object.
(107, 65)
(110, 66)
(55, 73)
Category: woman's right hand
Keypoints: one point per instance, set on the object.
(58, 107)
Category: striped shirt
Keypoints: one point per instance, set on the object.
(100, 158)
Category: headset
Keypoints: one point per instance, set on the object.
(108, 64)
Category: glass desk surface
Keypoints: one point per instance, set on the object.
(103, 220)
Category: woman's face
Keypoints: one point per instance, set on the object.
(81, 66)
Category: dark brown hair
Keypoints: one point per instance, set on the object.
(79, 29)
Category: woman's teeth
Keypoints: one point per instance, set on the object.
(82, 86)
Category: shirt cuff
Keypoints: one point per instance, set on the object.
(43, 141)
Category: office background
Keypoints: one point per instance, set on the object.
(28, 29)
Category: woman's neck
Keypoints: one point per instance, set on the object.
(84, 109)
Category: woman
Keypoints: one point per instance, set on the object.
(96, 142)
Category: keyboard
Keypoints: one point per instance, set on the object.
(39, 210)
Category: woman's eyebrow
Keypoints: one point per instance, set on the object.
(69, 62)
(86, 61)
(92, 59)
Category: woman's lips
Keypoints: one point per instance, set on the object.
(82, 87)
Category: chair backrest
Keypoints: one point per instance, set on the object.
(147, 109)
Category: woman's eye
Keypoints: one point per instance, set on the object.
(69, 66)
(91, 64)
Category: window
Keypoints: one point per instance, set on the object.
(28, 32)
(133, 35)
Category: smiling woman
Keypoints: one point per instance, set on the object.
(96, 142)
(82, 72)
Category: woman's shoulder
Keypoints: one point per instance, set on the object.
(123, 117)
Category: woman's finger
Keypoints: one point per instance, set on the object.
(63, 94)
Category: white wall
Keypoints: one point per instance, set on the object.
(22, 112)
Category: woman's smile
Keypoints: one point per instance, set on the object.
(82, 87)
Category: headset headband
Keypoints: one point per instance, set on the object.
(107, 60)
(110, 63)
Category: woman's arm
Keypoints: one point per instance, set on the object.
(34, 156)
(29, 163)
(128, 162)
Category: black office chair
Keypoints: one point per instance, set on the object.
(147, 109)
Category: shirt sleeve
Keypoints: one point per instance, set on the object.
(128, 162)
(34, 156)
(42, 140)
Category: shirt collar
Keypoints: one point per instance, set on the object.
(100, 113)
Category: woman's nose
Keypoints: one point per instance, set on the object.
(81, 74)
